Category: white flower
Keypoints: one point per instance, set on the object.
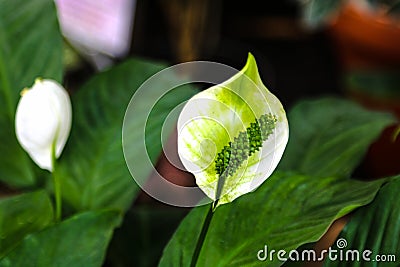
(232, 135)
(43, 120)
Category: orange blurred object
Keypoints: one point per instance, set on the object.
(366, 39)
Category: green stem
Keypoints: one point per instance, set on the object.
(396, 134)
(202, 236)
(57, 185)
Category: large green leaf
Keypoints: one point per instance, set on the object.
(79, 241)
(93, 169)
(329, 137)
(287, 211)
(30, 46)
(21, 215)
(375, 227)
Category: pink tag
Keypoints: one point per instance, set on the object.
(101, 25)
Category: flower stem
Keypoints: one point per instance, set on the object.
(202, 236)
(57, 185)
(396, 134)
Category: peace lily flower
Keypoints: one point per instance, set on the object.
(232, 135)
(43, 121)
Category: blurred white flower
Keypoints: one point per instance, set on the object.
(43, 120)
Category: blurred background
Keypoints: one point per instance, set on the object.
(304, 49)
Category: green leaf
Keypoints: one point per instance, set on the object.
(287, 211)
(330, 136)
(21, 215)
(394, 9)
(78, 241)
(143, 235)
(377, 84)
(93, 167)
(375, 227)
(30, 46)
(232, 135)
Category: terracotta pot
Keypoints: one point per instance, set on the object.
(366, 39)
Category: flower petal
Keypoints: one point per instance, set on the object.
(43, 118)
(232, 135)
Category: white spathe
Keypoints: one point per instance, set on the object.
(43, 119)
(214, 117)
